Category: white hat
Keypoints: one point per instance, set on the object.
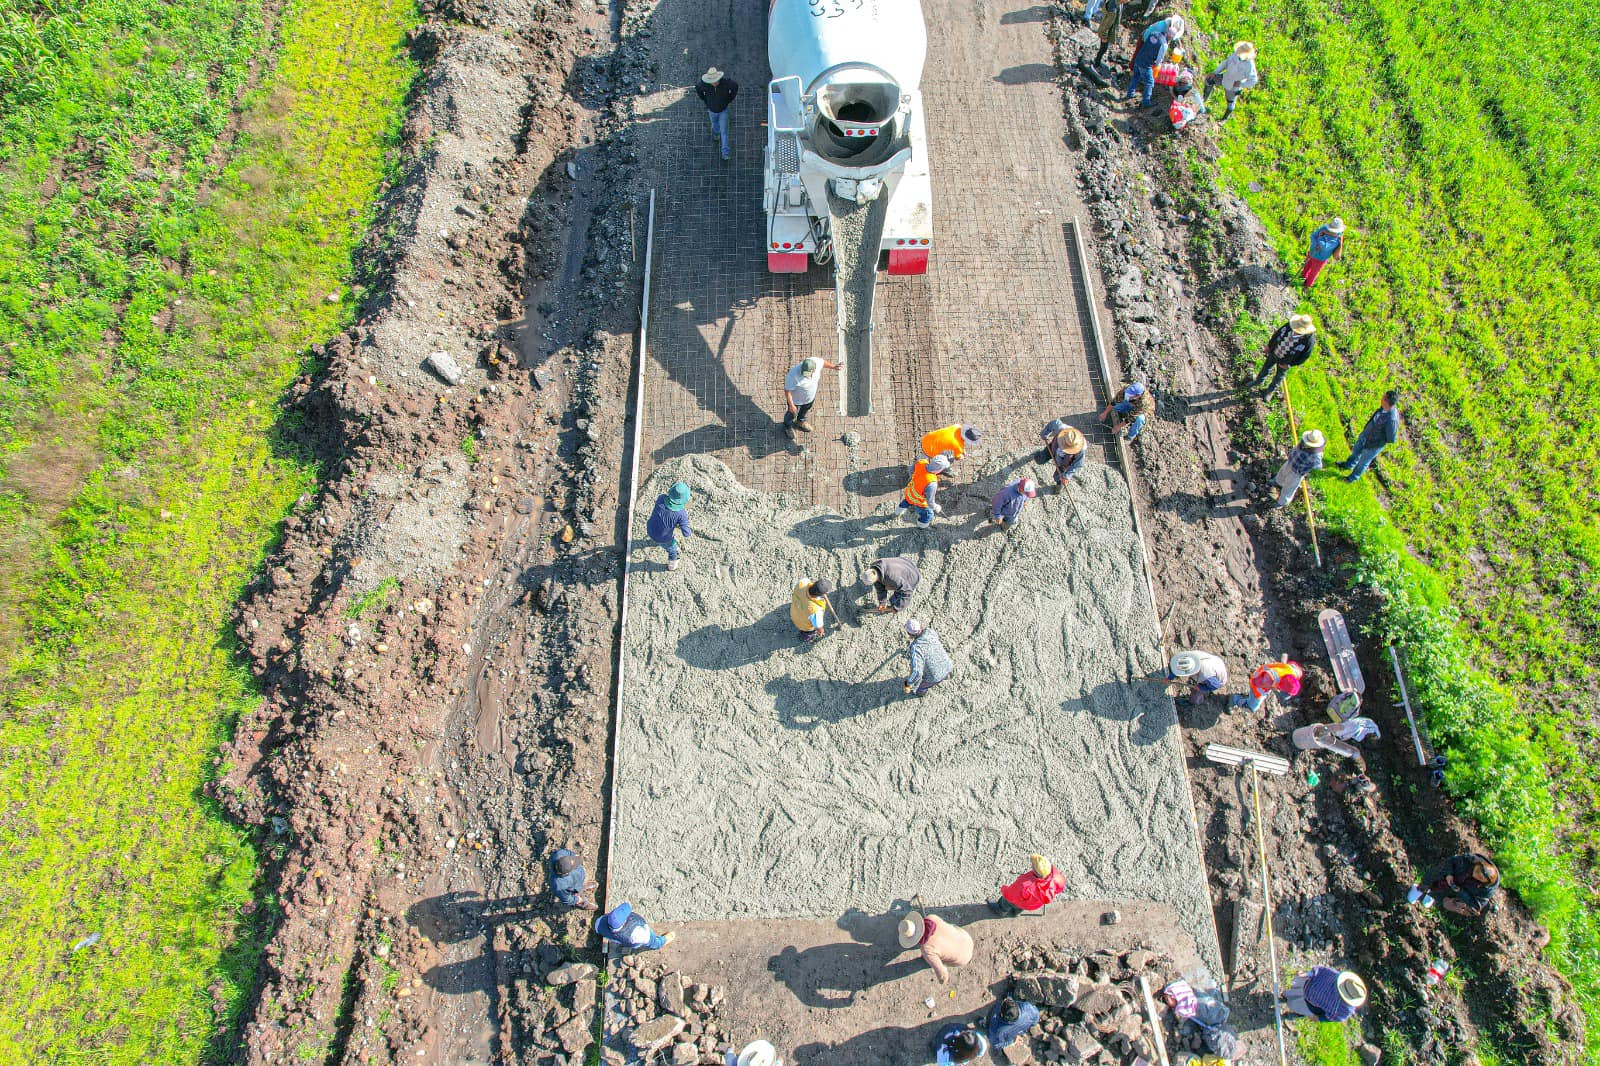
(1302, 324)
(1244, 50)
(1185, 664)
(1352, 989)
(711, 76)
(758, 1053)
(910, 930)
(1336, 225)
(1175, 27)
(938, 464)
(1313, 438)
(913, 626)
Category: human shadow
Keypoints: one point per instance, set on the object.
(879, 481)
(1215, 400)
(1141, 705)
(831, 976)
(1036, 13)
(805, 705)
(891, 534)
(716, 647)
(1026, 73)
(457, 917)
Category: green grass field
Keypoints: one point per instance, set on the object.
(1459, 144)
(164, 261)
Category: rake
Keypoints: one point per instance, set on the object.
(1259, 763)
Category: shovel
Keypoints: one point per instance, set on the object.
(1258, 763)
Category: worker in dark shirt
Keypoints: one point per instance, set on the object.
(893, 581)
(1463, 884)
(1290, 346)
(717, 90)
(1381, 430)
(569, 881)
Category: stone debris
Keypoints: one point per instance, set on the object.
(664, 1014)
(445, 365)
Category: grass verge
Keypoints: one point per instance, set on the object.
(119, 680)
(1465, 164)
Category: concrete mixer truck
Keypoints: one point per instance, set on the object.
(846, 174)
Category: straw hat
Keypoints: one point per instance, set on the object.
(1071, 441)
(1336, 226)
(1313, 439)
(910, 930)
(1301, 325)
(1040, 864)
(1244, 50)
(759, 1053)
(1185, 664)
(711, 76)
(1352, 989)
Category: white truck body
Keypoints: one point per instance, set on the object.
(844, 112)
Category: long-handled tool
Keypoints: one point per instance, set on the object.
(1259, 763)
(1405, 700)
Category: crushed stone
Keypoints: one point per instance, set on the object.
(857, 237)
(762, 778)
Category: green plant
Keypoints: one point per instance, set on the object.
(1328, 1043)
(469, 447)
(375, 597)
(162, 268)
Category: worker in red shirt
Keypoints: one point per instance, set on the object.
(1032, 891)
(1281, 677)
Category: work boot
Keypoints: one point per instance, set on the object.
(672, 564)
(803, 426)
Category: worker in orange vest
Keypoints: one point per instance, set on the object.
(950, 442)
(1281, 677)
(923, 488)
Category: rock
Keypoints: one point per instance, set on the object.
(443, 364)
(669, 994)
(1138, 960)
(1017, 1053)
(1053, 989)
(612, 1057)
(656, 1033)
(541, 378)
(1081, 1047)
(684, 1055)
(1143, 311)
(570, 974)
(1111, 918)
(574, 1035)
(572, 170)
(1101, 999)
(1369, 1054)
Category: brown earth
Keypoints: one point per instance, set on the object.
(435, 635)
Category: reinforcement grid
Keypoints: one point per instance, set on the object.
(993, 336)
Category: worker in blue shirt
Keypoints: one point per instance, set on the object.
(669, 517)
(1381, 430)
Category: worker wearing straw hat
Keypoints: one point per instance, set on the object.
(942, 945)
(1303, 458)
(1325, 994)
(1234, 75)
(1289, 346)
(1327, 244)
(1064, 446)
(717, 91)
(1201, 671)
(756, 1053)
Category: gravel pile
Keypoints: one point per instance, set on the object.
(759, 777)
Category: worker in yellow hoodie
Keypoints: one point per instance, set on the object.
(808, 608)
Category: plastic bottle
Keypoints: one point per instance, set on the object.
(1436, 971)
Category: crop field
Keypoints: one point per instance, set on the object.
(182, 186)
(1461, 147)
